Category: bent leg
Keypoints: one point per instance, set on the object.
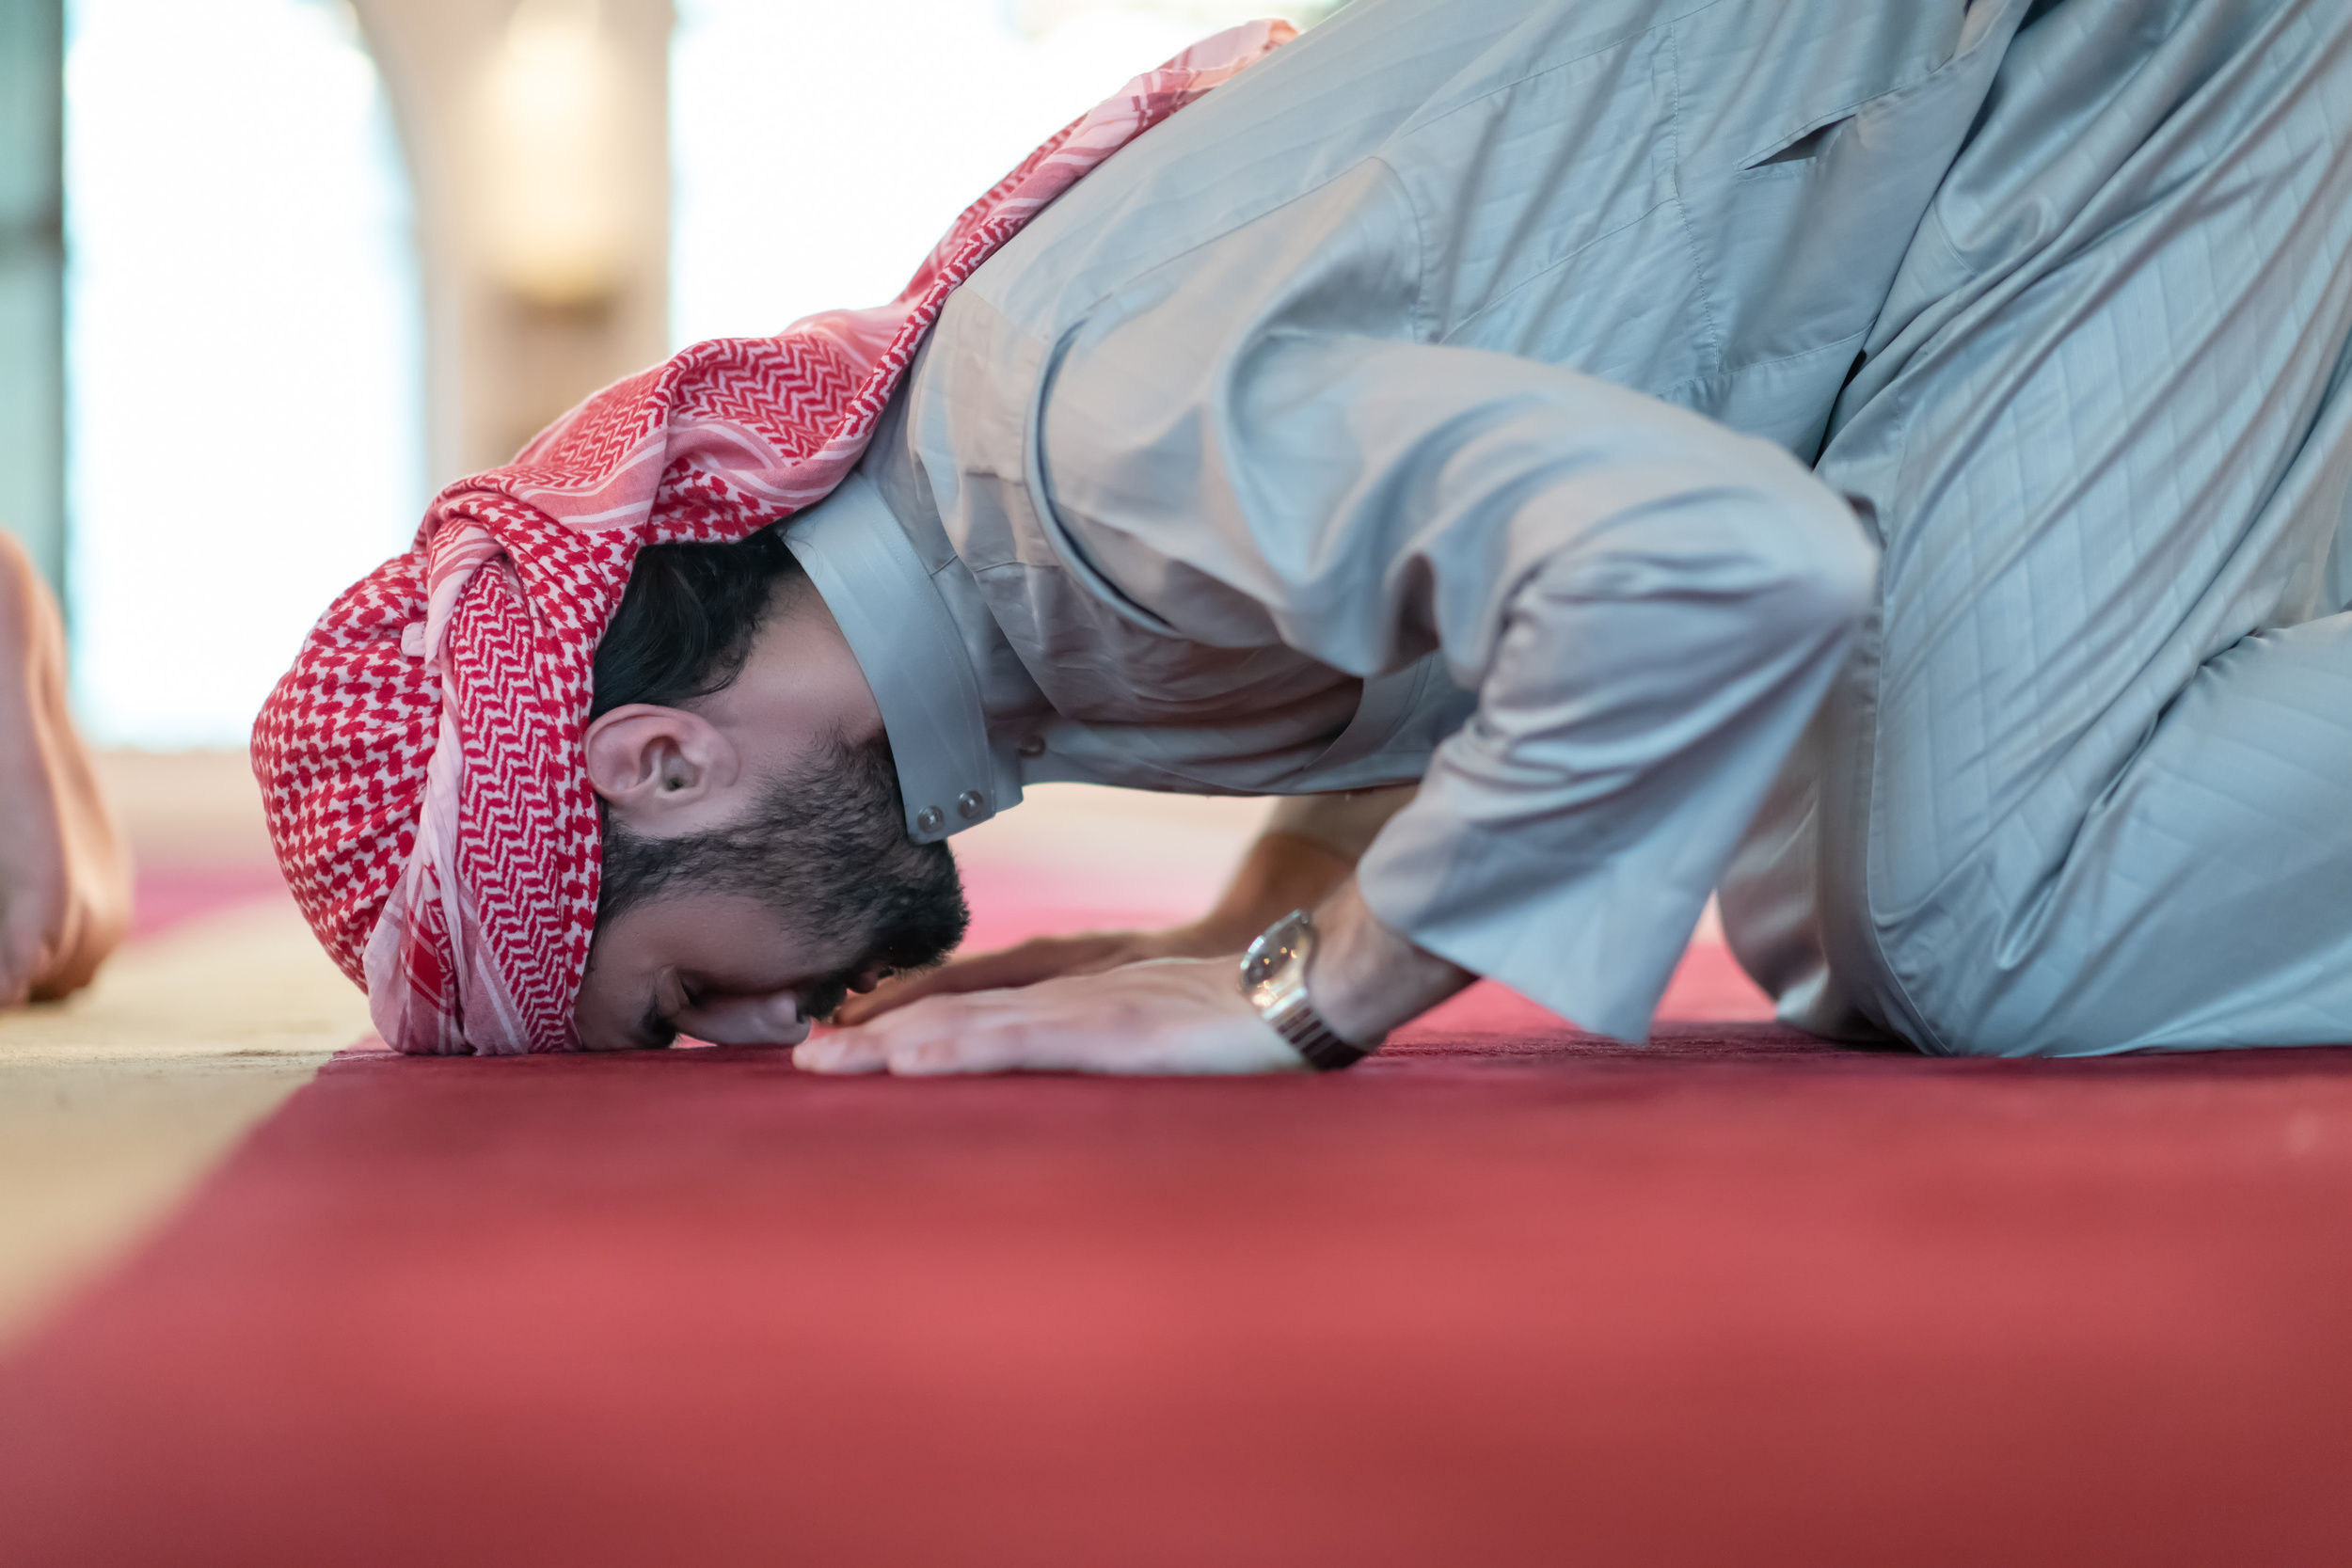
(2208, 899)
(2103, 714)
(65, 877)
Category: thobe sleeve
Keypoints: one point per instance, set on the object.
(1649, 606)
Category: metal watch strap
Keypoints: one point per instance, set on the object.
(1300, 1024)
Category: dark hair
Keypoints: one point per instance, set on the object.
(689, 619)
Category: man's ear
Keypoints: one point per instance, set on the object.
(656, 764)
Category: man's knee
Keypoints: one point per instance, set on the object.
(2194, 900)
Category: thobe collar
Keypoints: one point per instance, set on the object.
(900, 631)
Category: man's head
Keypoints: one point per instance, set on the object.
(438, 821)
(756, 865)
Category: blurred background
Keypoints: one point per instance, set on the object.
(273, 271)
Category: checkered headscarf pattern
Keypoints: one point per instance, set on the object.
(422, 762)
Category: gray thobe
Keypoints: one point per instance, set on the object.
(1437, 401)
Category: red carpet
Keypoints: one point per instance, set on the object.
(1505, 1296)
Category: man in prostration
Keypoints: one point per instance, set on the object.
(1889, 462)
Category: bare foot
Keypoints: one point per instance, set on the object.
(65, 875)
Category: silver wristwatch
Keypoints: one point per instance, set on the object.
(1274, 977)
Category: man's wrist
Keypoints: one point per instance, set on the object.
(1274, 981)
(1365, 978)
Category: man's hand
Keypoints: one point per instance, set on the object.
(1168, 1016)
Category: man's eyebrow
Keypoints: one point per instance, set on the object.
(655, 1032)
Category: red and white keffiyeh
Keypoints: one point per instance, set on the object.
(421, 763)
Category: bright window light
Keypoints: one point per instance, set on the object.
(820, 148)
(243, 348)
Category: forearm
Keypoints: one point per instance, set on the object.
(1309, 846)
(1342, 821)
(1278, 873)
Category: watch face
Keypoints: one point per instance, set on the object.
(1273, 952)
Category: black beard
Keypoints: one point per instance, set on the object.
(826, 847)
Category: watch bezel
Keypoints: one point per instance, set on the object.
(1278, 954)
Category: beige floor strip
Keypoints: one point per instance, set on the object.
(114, 1104)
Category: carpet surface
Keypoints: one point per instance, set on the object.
(167, 897)
(1505, 1295)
